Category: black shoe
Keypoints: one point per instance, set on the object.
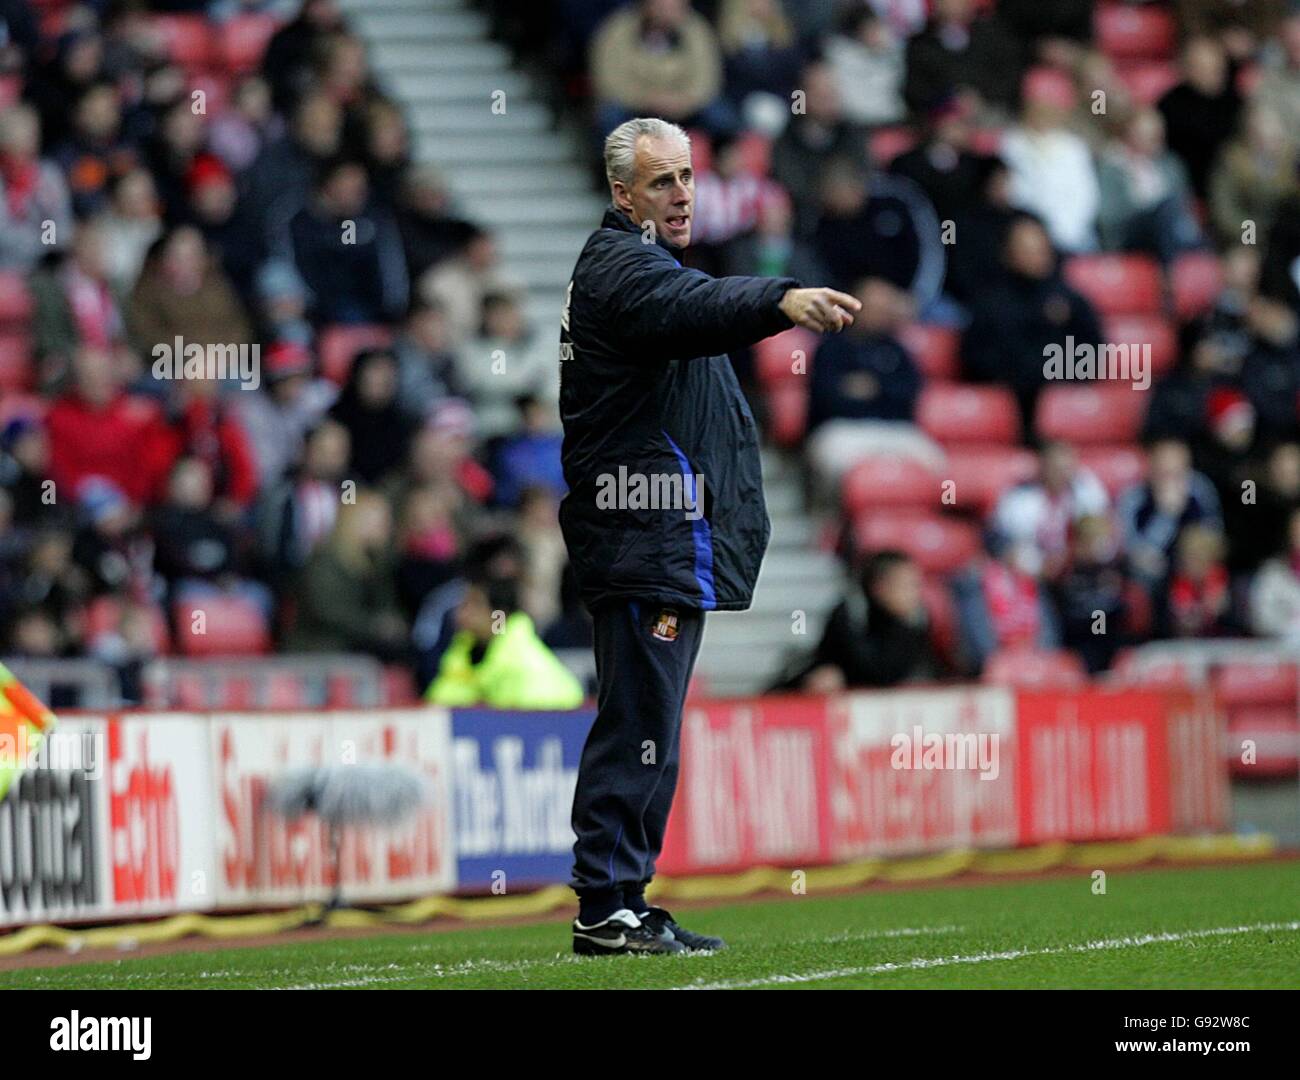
(622, 933)
(661, 922)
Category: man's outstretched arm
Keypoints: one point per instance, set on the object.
(685, 313)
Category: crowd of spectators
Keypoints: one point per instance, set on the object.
(945, 160)
(402, 424)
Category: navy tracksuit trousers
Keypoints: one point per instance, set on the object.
(645, 652)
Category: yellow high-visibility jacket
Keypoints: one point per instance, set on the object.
(517, 671)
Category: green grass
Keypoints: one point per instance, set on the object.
(1051, 933)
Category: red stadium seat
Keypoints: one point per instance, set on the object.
(787, 412)
(1030, 667)
(942, 611)
(243, 41)
(1149, 80)
(939, 545)
(17, 372)
(338, 345)
(1256, 682)
(104, 618)
(1275, 734)
(231, 627)
(784, 356)
(1164, 675)
(285, 691)
(1196, 279)
(887, 143)
(1123, 32)
(1118, 284)
(981, 473)
(954, 413)
(399, 687)
(15, 300)
(1153, 331)
(890, 482)
(935, 349)
(216, 87)
(1091, 412)
(188, 39)
(1117, 467)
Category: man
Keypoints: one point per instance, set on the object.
(648, 402)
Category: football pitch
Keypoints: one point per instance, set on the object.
(1208, 927)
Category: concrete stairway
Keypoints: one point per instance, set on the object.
(524, 176)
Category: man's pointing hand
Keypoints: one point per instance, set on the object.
(820, 310)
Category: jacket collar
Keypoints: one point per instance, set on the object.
(615, 219)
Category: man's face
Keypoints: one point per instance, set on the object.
(662, 189)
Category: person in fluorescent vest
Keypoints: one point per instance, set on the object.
(496, 658)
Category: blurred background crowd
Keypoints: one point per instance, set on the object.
(989, 178)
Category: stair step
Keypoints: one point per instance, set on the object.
(394, 57)
(477, 116)
(416, 88)
(537, 179)
(378, 25)
(351, 7)
(505, 148)
(510, 211)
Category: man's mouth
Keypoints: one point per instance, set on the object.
(677, 222)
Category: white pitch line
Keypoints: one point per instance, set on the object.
(921, 963)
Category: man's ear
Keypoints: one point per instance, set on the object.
(622, 198)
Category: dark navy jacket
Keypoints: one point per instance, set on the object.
(645, 385)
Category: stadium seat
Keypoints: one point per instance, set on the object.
(1162, 675)
(776, 358)
(886, 143)
(981, 473)
(787, 412)
(231, 627)
(1117, 467)
(1275, 734)
(935, 349)
(1196, 279)
(954, 413)
(17, 372)
(216, 87)
(104, 619)
(1091, 412)
(243, 41)
(1149, 80)
(1256, 682)
(285, 690)
(939, 545)
(1146, 330)
(1117, 284)
(942, 611)
(339, 344)
(1124, 32)
(889, 481)
(187, 39)
(399, 687)
(1031, 668)
(15, 300)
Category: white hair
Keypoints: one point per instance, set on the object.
(620, 145)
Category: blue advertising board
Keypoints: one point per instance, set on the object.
(513, 775)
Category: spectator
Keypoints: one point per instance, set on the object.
(97, 429)
(865, 374)
(729, 201)
(1279, 82)
(529, 459)
(431, 232)
(1253, 175)
(760, 51)
(183, 293)
(1154, 512)
(278, 415)
(230, 229)
(509, 359)
(428, 545)
(878, 635)
(347, 601)
(193, 542)
(24, 471)
(35, 208)
(943, 165)
(866, 57)
(205, 426)
(347, 250)
(544, 554)
(879, 226)
(983, 228)
(281, 298)
(1198, 599)
(442, 457)
(94, 152)
(279, 181)
(385, 148)
(1028, 308)
(1275, 592)
(298, 512)
(658, 58)
(1005, 604)
(1146, 204)
(238, 134)
(131, 224)
(368, 407)
(461, 284)
(171, 153)
(1052, 173)
(1092, 593)
(286, 64)
(962, 50)
(77, 62)
(1202, 111)
(1040, 514)
(426, 363)
(111, 548)
(812, 140)
(497, 660)
(1254, 527)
